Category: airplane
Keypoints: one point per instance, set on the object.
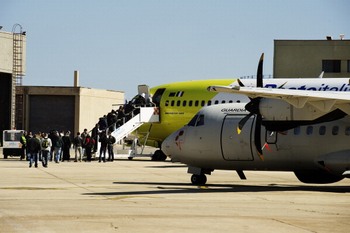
(178, 102)
(301, 128)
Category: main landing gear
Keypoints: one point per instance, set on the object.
(199, 179)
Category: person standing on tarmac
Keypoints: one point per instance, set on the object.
(23, 142)
(103, 140)
(33, 145)
(89, 144)
(110, 145)
(46, 145)
(77, 144)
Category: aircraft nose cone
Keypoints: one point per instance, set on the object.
(166, 145)
(169, 146)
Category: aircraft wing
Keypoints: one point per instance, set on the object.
(323, 100)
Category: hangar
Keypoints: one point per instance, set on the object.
(43, 108)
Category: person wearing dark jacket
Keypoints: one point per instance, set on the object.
(89, 144)
(67, 143)
(33, 147)
(103, 140)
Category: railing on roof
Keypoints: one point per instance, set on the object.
(269, 76)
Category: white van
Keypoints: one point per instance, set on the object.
(11, 143)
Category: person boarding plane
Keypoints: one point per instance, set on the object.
(301, 128)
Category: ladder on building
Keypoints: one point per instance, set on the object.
(17, 71)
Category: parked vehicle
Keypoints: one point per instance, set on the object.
(11, 143)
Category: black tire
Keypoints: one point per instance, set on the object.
(199, 179)
(158, 156)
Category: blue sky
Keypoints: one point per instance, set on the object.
(117, 45)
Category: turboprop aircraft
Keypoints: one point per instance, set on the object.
(303, 128)
(178, 102)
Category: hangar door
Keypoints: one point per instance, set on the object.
(48, 113)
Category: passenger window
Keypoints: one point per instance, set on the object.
(196, 103)
(347, 131)
(216, 102)
(335, 130)
(184, 103)
(297, 130)
(172, 103)
(223, 101)
(322, 130)
(202, 103)
(190, 103)
(167, 103)
(178, 103)
(209, 102)
(309, 130)
(230, 101)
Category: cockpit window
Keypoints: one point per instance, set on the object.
(197, 120)
(193, 121)
(200, 120)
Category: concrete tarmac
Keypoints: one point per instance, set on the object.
(145, 196)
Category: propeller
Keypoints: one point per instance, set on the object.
(253, 108)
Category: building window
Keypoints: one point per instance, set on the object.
(348, 66)
(331, 66)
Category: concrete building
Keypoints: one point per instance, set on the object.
(63, 108)
(308, 58)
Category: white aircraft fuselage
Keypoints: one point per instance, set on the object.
(317, 152)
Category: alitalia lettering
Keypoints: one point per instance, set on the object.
(323, 87)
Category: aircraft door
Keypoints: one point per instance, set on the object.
(236, 146)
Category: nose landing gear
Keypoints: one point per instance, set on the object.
(198, 179)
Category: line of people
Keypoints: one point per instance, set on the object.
(56, 146)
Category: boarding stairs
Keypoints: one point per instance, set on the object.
(146, 115)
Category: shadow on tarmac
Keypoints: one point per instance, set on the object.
(177, 188)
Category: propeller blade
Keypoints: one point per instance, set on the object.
(259, 75)
(242, 122)
(257, 136)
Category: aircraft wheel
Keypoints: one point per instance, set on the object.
(158, 156)
(130, 158)
(199, 179)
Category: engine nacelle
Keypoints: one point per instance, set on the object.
(280, 110)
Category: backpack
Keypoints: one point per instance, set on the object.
(45, 143)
